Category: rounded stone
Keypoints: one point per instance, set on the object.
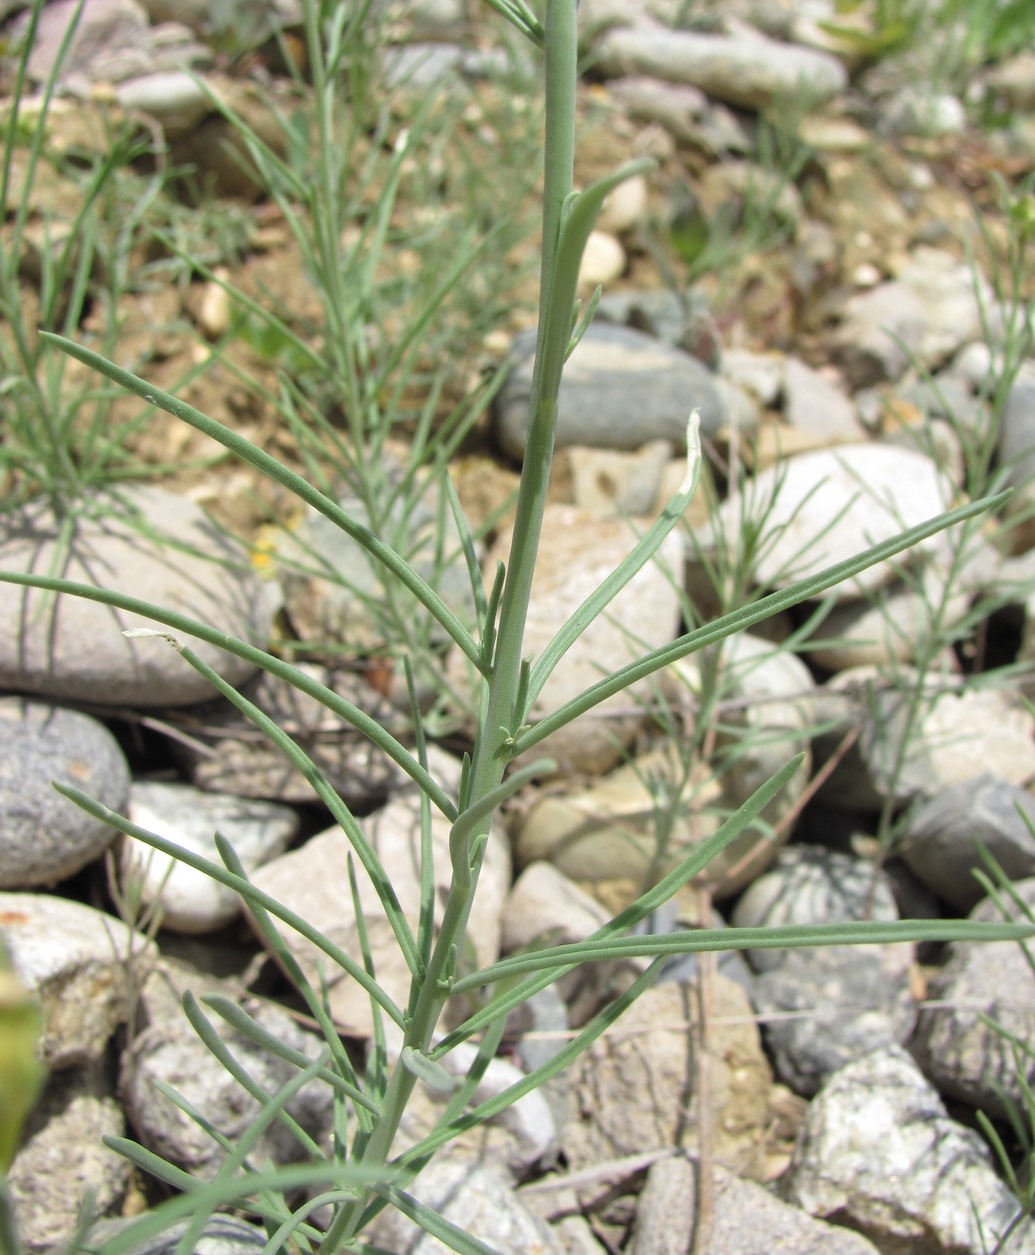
(152, 545)
(44, 837)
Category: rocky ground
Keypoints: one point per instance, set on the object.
(830, 262)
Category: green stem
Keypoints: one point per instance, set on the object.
(494, 745)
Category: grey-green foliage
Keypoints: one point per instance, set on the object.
(357, 1176)
(66, 258)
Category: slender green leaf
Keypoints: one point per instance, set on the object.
(742, 619)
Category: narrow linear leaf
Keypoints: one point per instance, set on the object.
(240, 885)
(869, 932)
(741, 620)
(352, 715)
(281, 474)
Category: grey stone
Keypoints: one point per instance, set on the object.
(957, 301)
(958, 1050)
(756, 73)
(677, 107)
(811, 885)
(880, 330)
(651, 1050)
(748, 1219)
(83, 966)
(175, 98)
(958, 734)
(170, 1051)
(919, 111)
(70, 647)
(664, 1223)
(878, 1151)
(62, 1159)
(621, 389)
(187, 900)
(814, 405)
(223, 751)
(113, 41)
(939, 840)
(480, 1200)
(313, 882)
(222, 1235)
(44, 837)
(830, 505)
(1017, 433)
(336, 594)
(577, 553)
(822, 1007)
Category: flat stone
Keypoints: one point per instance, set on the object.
(755, 73)
(187, 900)
(313, 882)
(621, 389)
(830, 505)
(73, 648)
(578, 552)
(44, 837)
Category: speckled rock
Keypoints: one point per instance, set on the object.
(44, 837)
(958, 1050)
(878, 1151)
(62, 1159)
(82, 965)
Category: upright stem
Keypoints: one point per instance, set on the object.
(500, 716)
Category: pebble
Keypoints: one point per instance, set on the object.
(313, 882)
(614, 484)
(621, 389)
(579, 551)
(878, 1151)
(815, 406)
(222, 1235)
(170, 1051)
(916, 111)
(651, 1050)
(751, 73)
(83, 966)
(603, 260)
(223, 752)
(881, 330)
(334, 592)
(999, 738)
(748, 1218)
(831, 504)
(822, 1008)
(77, 650)
(44, 837)
(481, 1199)
(957, 1048)
(939, 838)
(187, 900)
(62, 1160)
(1017, 432)
(113, 41)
